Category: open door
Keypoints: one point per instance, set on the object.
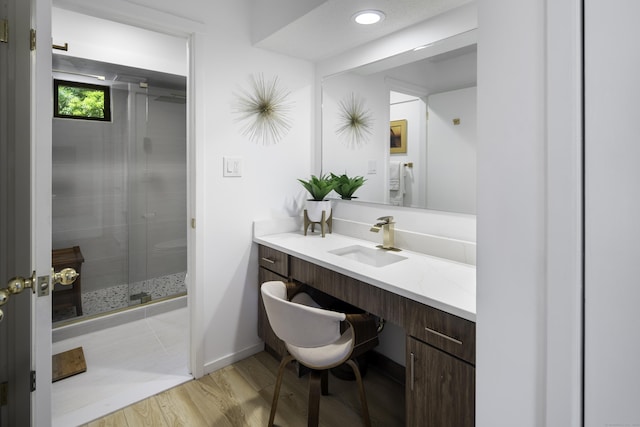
(15, 208)
(25, 200)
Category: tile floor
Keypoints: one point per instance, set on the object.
(125, 364)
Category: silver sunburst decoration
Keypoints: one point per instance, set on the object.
(354, 120)
(263, 110)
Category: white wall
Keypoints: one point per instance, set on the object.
(268, 187)
(109, 41)
(529, 162)
(511, 215)
(612, 294)
(451, 153)
(269, 17)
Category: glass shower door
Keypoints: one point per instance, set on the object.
(157, 194)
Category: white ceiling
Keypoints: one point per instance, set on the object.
(328, 29)
(115, 72)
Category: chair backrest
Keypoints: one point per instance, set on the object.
(298, 324)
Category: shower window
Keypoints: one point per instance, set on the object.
(75, 100)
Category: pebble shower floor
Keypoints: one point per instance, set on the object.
(118, 296)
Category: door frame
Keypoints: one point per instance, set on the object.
(41, 115)
(151, 19)
(155, 19)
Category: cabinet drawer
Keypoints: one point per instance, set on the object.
(445, 331)
(274, 260)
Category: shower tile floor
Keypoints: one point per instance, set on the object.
(125, 364)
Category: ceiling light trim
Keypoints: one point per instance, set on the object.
(369, 17)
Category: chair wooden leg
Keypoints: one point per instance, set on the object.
(315, 378)
(276, 391)
(324, 382)
(363, 397)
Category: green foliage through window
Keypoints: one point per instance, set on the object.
(81, 101)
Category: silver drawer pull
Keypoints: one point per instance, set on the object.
(413, 370)
(270, 261)
(443, 336)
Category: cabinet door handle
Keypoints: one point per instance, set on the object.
(412, 363)
(270, 261)
(441, 335)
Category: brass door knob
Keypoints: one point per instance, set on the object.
(15, 285)
(65, 277)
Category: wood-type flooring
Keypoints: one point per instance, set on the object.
(240, 395)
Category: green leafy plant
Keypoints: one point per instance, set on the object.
(345, 186)
(318, 187)
(80, 102)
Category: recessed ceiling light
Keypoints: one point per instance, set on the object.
(368, 17)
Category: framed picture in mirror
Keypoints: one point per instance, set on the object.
(398, 136)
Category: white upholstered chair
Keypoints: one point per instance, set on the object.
(313, 338)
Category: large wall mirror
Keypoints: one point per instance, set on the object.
(417, 143)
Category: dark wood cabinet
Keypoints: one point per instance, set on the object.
(440, 388)
(442, 330)
(273, 344)
(440, 371)
(274, 265)
(274, 261)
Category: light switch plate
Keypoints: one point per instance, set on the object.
(371, 170)
(232, 166)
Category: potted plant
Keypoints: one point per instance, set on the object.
(319, 187)
(345, 186)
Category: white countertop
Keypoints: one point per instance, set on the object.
(446, 285)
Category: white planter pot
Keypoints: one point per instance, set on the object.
(315, 208)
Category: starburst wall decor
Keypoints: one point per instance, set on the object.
(263, 110)
(354, 121)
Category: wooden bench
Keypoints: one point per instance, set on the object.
(70, 295)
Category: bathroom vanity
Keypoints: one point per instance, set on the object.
(433, 299)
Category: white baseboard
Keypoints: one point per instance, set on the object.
(232, 358)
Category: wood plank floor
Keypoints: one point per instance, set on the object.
(240, 395)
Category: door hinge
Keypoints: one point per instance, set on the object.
(193, 223)
(4, 31)
(32, 39)
(4, 392)
(33, 381)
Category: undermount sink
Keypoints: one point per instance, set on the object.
(373, 257)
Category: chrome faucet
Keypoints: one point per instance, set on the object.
(388, 236)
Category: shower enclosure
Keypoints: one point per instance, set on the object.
(119, 189)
